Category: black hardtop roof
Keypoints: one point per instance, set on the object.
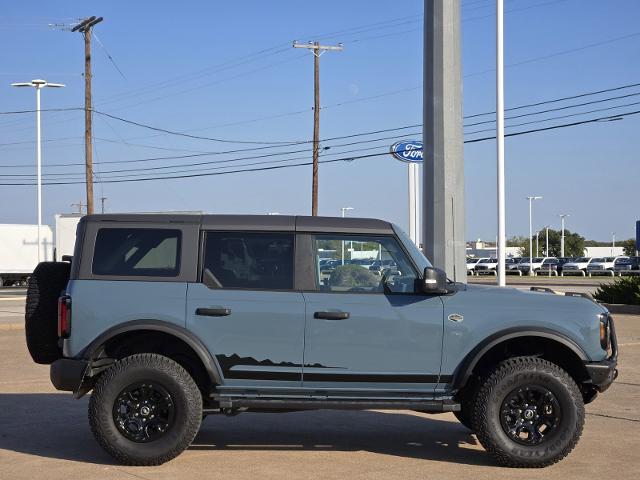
(252, 222)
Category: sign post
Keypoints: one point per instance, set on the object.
(637, 237)
(410, 152)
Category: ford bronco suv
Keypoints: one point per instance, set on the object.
(169, 318)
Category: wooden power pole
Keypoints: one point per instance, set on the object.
(317, 50)
(85, 27)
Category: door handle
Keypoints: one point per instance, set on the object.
(331, 315)
(213, 312)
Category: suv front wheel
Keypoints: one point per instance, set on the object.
(145, 410)
(528, 412)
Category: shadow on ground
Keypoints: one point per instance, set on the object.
(56, 426)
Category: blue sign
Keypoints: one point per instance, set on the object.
(638, 235)
(409, 151)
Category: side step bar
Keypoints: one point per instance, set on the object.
(431, 405)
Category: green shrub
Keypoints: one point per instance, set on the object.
(624, 290)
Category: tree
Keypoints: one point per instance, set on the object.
(573, 244)
(629, 247)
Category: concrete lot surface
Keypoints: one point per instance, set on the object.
(45, 434)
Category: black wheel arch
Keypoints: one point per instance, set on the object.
(474, 358)
(96, 348)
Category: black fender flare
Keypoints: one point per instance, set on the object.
(464, 370)
(208, 361)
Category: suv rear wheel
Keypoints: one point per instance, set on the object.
(145, 410)
(528, 413)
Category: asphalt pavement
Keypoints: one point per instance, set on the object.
(45, 434)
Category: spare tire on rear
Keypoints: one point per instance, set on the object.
(47, 282)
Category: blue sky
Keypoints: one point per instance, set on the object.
(194, 67)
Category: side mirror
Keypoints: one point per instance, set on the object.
(434, 281)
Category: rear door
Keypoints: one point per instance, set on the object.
(368, 329)
(245, 309)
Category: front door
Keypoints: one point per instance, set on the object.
(366, 327)
(245, 308)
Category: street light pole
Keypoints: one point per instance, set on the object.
(537, 244)
(343, 211)
(562, 217)
(38, 84)
(613, 243)
(501, 243)
(531, 199)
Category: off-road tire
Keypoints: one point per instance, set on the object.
(163, 371)
(509, 375)
(46, 283)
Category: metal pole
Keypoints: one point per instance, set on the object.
(530, 238)
(502, 242)
(39, 167)
(443, 211)
(562, 239)
(413, 197)
(547, 247)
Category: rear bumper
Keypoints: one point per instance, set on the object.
(68, 374)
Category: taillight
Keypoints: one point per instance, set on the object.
(64, 316)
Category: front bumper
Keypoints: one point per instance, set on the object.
(603, 373)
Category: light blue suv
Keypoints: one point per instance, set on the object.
(168, 318)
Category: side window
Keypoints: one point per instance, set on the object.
(248, 260)
(145, 252)
(354, 263)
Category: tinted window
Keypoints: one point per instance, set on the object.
(145, 252)
(395, 274)
(248, 260)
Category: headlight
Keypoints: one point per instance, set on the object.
(605, 331)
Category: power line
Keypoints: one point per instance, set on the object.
(350, 158)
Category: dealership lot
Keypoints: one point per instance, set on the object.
(42, 430)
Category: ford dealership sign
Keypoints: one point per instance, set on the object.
(407, 151)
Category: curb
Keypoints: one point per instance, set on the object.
(622, 308)
(11, 326)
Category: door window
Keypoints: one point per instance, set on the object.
(362, 264)
(248, 260)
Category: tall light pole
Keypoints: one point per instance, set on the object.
(38, 84)
(613, 242)
(537, 243)
(531, 199)
(502, 242)
(546, 252)
(562, 217)
(343, 211)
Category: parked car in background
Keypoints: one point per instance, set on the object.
(537, 263)
(486, 265)
(511, 264)
(380, 266)
(471, 264)
(604, 265)
(577, 267)
(627, 266)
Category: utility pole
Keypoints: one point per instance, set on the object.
(85, 27)
(79, 205)
(531, 199)
(317, 51)
(443, 169)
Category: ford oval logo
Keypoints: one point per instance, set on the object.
(407, 151)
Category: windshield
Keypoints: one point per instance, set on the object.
(537, 259)
(524, 260)
(581, 260)
(623, 261)
(486, 260)
(414, 252)
(598, 259)
(473, 260)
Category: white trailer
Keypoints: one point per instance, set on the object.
(66, 224)
(19, 251)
